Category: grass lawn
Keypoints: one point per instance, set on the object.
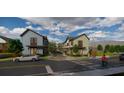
(78, 57)
(44, 58)
(84, 58)
(10, 59)
(5, 59)
(100, 53)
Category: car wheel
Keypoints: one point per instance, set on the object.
(33, 59)
(17, 60)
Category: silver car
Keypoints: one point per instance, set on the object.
(26, 58)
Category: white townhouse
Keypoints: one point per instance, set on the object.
(34, 43)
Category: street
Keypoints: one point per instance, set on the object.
(37, 68)
(49, 67)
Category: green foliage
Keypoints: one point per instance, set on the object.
(112, 49)
(52, 47)
(99, 47)
(15, 46)
(75, 49)
(107, 47)
(117, 48)
(60, 47)
(100, 53)
(122, 48)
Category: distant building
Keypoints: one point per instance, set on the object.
(4, 43)
(81, 41)
(34, 43)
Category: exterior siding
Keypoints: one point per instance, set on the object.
(26, 41)
(85, 43)
(65, 45)
(3, 45)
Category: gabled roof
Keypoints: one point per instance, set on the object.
(5, 38)
(44, 37)
(68, 38)
(73, 38)
(31, 31)
(82, 35)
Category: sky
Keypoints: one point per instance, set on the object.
(58, 28)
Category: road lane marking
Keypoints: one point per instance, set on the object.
(49, 69)
(12, 67)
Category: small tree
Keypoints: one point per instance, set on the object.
(99, 47)
(117, 48)
(52, 47)
(112, 49)
(107, 47)
(60, 47)
(15, 46)
(75, 49)
(121, 48)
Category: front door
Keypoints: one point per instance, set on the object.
(33, 51)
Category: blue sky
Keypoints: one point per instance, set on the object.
(58, 28)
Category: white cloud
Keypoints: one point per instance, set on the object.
(106, 22)
(51, 38)
(118, 34)
(111, 21)
(14, 33)
(34, 28)
(58, 33)
(17, 31)
(87, 32)
(121, 28)
(3, 30)
(70, 24)
(28, 23)
(98, 34)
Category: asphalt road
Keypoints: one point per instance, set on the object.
(38, 68)
(50, 67)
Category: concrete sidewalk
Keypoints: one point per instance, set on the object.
(97, 72)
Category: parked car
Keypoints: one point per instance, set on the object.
(121, 57)
(26, 58)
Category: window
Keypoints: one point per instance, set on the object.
(80, 43)
(33, 41)
(45, 42)
(72, 43)
(67, 44)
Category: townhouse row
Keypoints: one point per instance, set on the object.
(35, 43)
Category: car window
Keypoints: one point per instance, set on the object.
(122, 54)
(25, 55)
